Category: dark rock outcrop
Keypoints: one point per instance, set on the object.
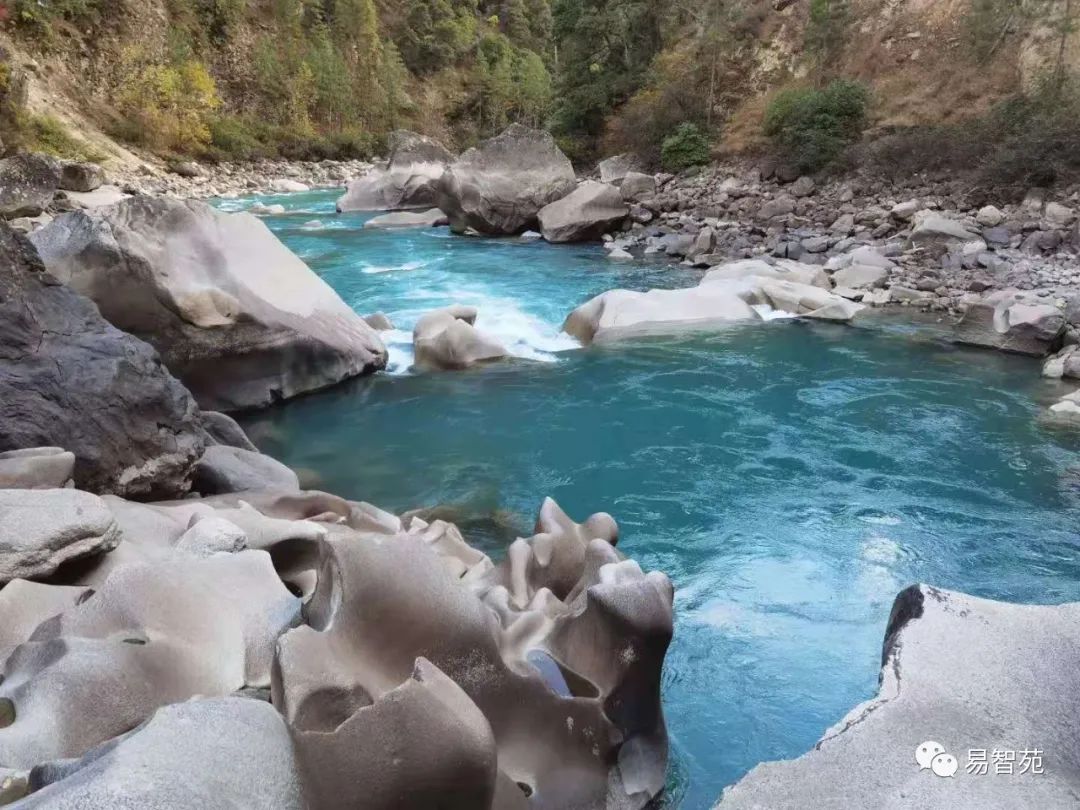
(27, 185)
(499, 187)
(236, 316)
(69, 379)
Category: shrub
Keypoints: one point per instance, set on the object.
(687, 147)
(44, 133)
(236, 139)
(811, 128)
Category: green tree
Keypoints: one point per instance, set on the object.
(436, 33)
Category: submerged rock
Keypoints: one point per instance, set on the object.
(499, 187)
(410, 179)
(236, 316)
(69, 379)
(448, 339)
(40, 530)
(967, 674)
(588, 212)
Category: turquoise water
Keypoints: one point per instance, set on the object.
(791, 478)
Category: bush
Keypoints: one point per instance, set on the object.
(237, 139)
(44, 133)
(687, 147)
(812, 128)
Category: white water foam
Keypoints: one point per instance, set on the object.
(374, 269)
(767, 313)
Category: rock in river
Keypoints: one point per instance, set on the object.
(1007, 320)
(236, 316)
(448, 339)
(69, 379)
(969, 674)
(588, 212)
(499, 187)
(409, 180)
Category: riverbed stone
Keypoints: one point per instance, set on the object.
(37, 468)
(69, 379)
(409, 180)
(40, 530)
(499, 187)
(587, 213)
(236, 316)
(448, 339)
(432, 218)
(1007, 321)
(963, 672)
(636, 186)
(223, 469)
(861, 276)
(81, 177)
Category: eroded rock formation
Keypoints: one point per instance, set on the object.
(416, 674)
(236, 316)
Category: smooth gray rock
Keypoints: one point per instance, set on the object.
(636, 187)
(409, 180)
(616, 168)
(224, 469)
(24, 605)
(37, 468)
(221, 428)
(69, 379)
(212, 535)
(587, 213)
(236, 316)
(379, 321)
(226, 752)
(448, 340)
(433, 218)
(499, 187)
(42, 529)
(861, 277)
(27, 185)
(936, 231)
(966, 673)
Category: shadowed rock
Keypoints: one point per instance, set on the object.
(225, 469)
(236, 316)
(221, 753)
(69, 379)
(40, 530)
(964, 672)
(588, 212)
(409, 180)
(24, 605)
(448, 340)
(499, 187)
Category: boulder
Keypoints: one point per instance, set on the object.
(587, 213)
(224, 469)
(1006, 320)
(220, 428)
(972, 676)
(616, 168)
(904, 211)
(236, 316)
(37, 468)
(409, 180)
(990, 216)
(409, 219)
(636, 187)
(937, 232)
(448, 340)
(500, 186)
(779, 207)
(1058, 215)
(81, 177)
(27, 185)
(803, 187)
(782, 270)
(228, 752)
(40, 530)
(69, 379)
(379, 321)
(286, 186)
(715, 303)
(861, 277)
(25, 605)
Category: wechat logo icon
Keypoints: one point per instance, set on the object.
(932, 756)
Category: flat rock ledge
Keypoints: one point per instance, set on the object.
(968, 674)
